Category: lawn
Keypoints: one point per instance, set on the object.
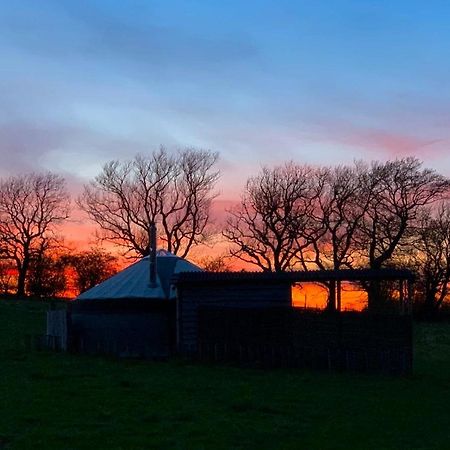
(60, 401)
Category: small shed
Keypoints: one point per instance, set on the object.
(248, 318)
(130, 314)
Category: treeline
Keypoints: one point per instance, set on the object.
(290, 217)
(378, 215)
(59, 272)
(33, 257)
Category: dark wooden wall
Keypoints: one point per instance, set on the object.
(289, 337)
(124, 328)
(231, 292)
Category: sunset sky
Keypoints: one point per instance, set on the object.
(83, 82)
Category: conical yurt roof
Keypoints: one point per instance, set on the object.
(134, 281)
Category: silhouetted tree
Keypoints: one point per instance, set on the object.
(332, 218)
(272, 224)
(400, 189)
(174, 191)
(345, 196)
(215, 263)
(47, 276)
(91, 268)
(31, 206)
(432, 257)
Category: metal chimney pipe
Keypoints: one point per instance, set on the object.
(152, 255)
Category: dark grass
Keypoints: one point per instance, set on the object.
(59, 401)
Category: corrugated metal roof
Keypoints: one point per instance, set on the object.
(134, 281)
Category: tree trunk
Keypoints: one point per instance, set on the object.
(374, 296)
(331, 302)
(23, 271)
(429, 306)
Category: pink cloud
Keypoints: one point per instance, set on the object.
(393, 144)
(383, 142)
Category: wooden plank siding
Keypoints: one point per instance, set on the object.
(290, 337)
(240, 293)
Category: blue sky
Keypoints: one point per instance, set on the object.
(321, 82)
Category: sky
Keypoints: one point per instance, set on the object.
(261, 82)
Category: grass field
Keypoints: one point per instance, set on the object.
(60, 401)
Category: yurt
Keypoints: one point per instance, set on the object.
(132, 313)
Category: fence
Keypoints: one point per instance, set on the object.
(289, 337)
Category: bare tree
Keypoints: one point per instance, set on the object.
(175, 191)
(431, 256)
(400, 189)
(271, 226)
(31, 206)
(344, 200)
(345, 195)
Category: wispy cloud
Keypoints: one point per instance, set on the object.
(381, 143)
(87, 81)
(89, 33)
(72, 150)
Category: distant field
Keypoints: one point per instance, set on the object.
(59, 401)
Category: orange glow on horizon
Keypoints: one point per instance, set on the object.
(313, 295)
(79, 233)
